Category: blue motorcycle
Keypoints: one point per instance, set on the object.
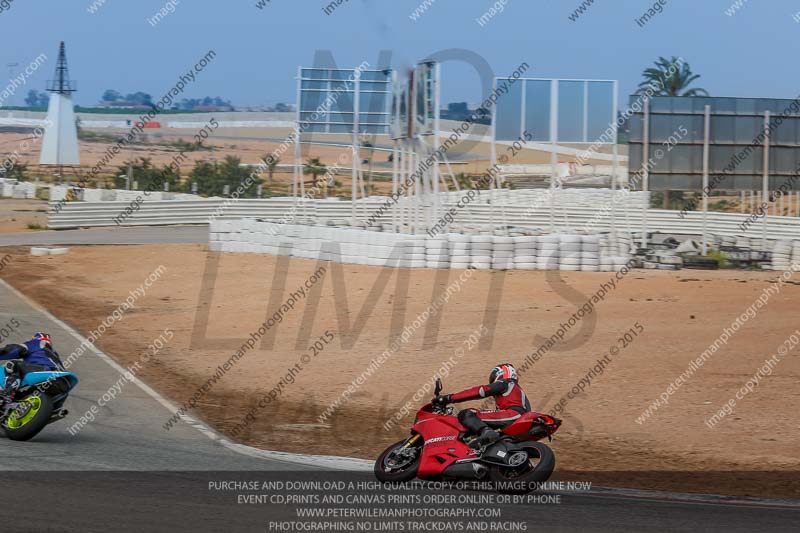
(39, 401)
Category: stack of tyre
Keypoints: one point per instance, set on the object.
(227, 234)
(330, 247)
(612, 253)
(321, 238)
(590, 253)
(283, 242)
(502, 252)
(413, 252)
(219, 234)
(381, 248)
(437, 252)
(242, 238)
(548, 256)
(624, 245)
(569, 249)
(480, 250)
(351, 252)
(259, 237)
(525, 252)
(744, 243)
(782, 255)
(459, 250)
(309, 242)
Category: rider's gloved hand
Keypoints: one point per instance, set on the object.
(440, 402)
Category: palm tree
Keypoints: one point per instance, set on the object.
(271, 162)
(670, 77)
(314, 167)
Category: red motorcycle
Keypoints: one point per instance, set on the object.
(440, 448)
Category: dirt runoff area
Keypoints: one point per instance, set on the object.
(22, 215)
(321, 358)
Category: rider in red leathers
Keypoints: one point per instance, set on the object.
(509, 398)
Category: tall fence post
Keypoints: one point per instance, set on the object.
(706, 191)
(646, 168)
(765, 183)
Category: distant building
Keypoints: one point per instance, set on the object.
(213, 108)
(460, 111)
(122, 104)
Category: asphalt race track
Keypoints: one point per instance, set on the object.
(125, 434)
(128, 235)
(124, 472)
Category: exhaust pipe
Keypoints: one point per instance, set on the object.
(466, 470)
(58, 415)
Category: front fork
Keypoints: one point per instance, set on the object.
(412, 441)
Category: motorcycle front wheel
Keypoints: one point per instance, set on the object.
(524, 478)
(32, 415)
(399, 463)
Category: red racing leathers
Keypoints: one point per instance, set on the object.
(510, 401)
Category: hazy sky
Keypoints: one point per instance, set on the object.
(752, 53)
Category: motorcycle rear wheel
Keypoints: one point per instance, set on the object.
(399, 471)
(29, 425)
(522, 480)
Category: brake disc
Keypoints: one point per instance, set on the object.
(518, 459)
(23, 409)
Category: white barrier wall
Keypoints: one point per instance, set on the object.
(59, 192)
(10, 188)
(591, 252)
(598, 252)
(7, 187)
(785, 254)
(27, 189)
(576, 211)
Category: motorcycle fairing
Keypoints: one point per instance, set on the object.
(442, 445)
(35, 378)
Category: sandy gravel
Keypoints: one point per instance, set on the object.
(16, 215)
(680, 313)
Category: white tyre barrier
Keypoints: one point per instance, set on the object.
(570, 252)
(782, 255)
(41, 252)
(795, 252)
(568, 248)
